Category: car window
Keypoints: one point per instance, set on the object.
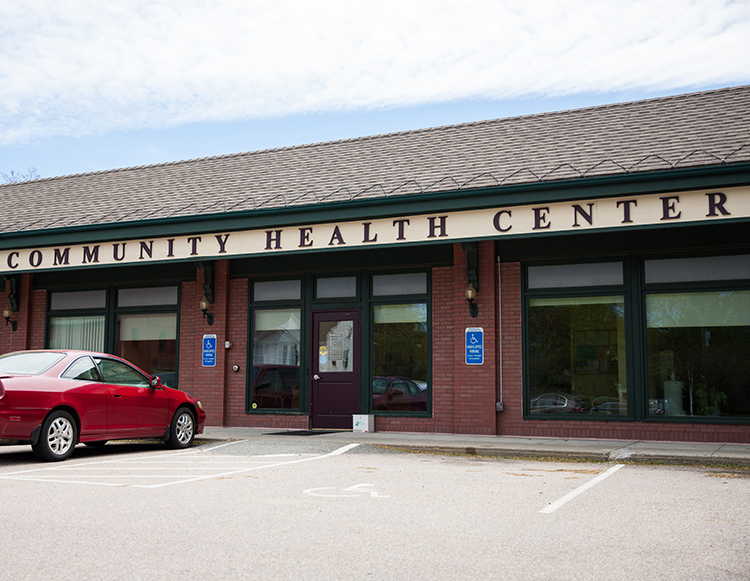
(119, 373)
(379, 385)
(28, 363)
(400, 389)
(83, 369)
(412, 389)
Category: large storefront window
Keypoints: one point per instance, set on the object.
(687, 320)
(699, 353)
(577, 355)
(399, 357)
(275, 382)
(138, 324)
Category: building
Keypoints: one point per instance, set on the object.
(582, 273)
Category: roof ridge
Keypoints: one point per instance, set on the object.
(384, 135)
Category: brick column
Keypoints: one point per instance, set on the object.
(510, 420)
(475, 385)
(208, 384)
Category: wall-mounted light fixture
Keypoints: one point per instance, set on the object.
(472, 275)
(204, 309)
(7, 314)
(471, 294)
(12, 307)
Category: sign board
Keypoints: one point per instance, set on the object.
(474, 345)
(209, 350)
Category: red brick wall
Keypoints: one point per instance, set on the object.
(30, 318)
(511, 423)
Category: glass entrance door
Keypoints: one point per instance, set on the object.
(335, 370)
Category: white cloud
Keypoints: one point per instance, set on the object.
(77, 67)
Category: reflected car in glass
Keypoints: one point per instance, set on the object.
(397, 394)
(609, 406)
(275, 386)
(555, 403)
(54, 400)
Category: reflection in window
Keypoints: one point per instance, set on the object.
(150, 342)
(83, 369)
(335, 346)
(699, 353)
(399, 350)
(117, 373)
(85, 333)
(577, 355)
(276, 354)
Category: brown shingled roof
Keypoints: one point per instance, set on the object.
(699, 129)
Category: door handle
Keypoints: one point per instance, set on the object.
(316, 377)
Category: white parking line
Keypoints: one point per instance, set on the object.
(583, 488)
(170, 468)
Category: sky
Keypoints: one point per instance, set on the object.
(87, 85)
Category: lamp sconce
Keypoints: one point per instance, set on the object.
(471, 294)
(208, 289)
(204, 309)
(472, 275)
(7, 314)
(12, 300)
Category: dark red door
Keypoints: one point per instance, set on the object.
(335, 369)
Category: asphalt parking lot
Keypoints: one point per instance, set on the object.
(309, 508)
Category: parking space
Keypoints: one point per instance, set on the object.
(161, 469)
(281, 507)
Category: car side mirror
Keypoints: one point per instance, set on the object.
(155, 381)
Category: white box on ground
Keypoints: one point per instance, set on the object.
(363, 423)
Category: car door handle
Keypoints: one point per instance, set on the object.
(316, 377)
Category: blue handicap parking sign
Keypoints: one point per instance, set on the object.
(474, 345)
(209, 350)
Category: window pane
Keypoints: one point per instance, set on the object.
(78, 300)
(276, 355)
(697, 269)
(277, 290)
(335, 346)
(117, 373)
(143, 297)
(83, 369)
(414, 283)
(86, 333)
(577, 355)
(399, 349)
(339, 287)
(699, 353)
(34, 363)
(150, 342)
(573, 275)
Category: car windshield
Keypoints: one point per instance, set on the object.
(29, 363)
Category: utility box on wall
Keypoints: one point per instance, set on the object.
(363, 423)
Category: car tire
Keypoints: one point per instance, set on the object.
(58, 437)
(182, 429)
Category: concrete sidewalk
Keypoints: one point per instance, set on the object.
(507, 446)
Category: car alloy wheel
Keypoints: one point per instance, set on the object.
(182, 430)
(58, 437)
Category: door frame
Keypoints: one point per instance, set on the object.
(318, 419)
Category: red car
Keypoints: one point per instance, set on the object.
(56, 399)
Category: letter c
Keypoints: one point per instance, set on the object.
(10, 258)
